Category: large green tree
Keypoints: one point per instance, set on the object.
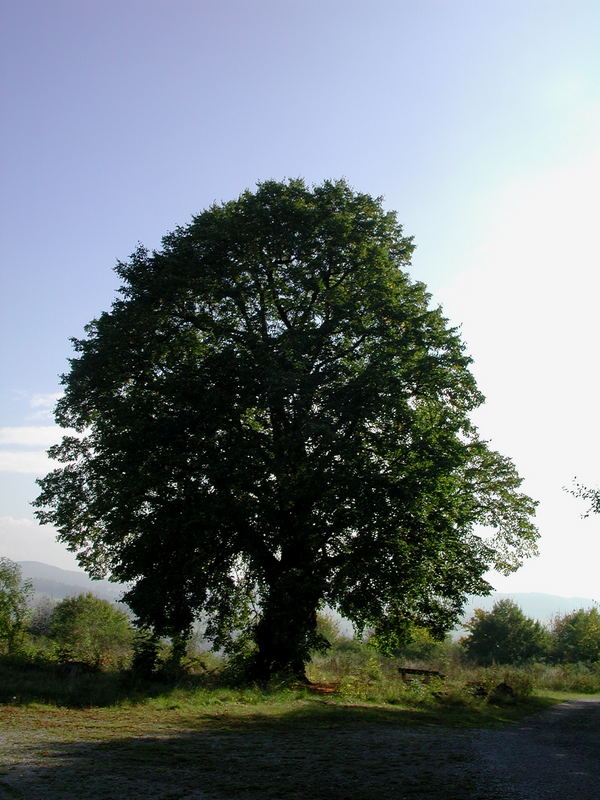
(273, 417)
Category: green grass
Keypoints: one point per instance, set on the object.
(368, 689)
(282, 710)
(364, 697)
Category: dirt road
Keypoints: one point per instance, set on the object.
(555, 754)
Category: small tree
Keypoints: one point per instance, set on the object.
(92, 630)
(504, 635)
(576, 636)
(146, 653)
(14, 611)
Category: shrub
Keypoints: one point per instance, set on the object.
(579, 677)
(89, 629)
(328, 630)
(40, 622)
(146, 654)
(423, 649)
(576, 636)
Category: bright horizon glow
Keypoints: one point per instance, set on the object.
(527, 305)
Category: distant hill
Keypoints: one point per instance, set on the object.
(60, 583)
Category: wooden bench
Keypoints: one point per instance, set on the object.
(409, 674)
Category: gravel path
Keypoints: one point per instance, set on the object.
(555, 754)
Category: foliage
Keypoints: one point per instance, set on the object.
(589, 494)
(578, 677)
(271, 418)
(576, 636)
(359, 674)
(423, 648)
(328, 632)
(146, 654)
(492, 678)
(14, 611)
(364, 683)
(41, 696)
(91, 630)
(504, 635)
(40, 622)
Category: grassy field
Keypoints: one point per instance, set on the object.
(101, 736)
(219, 743)
(182, 746)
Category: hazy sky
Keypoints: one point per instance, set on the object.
(478, 122)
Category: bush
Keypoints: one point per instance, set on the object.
(328, 630)
(26, 680)
(578, 677)
(40, 621)
(424, 650)
(146, 654)
(88, 629)
(576, 636)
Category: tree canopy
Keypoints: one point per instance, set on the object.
(504, 635)
(14, 610)
(271, 418)
(576, 636)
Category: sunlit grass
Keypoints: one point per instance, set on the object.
(368, 690)
(192, 707)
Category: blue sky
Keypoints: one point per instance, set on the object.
(478, 122)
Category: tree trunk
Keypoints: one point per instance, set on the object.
(286, 633)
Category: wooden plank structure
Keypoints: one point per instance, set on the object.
(409, 674)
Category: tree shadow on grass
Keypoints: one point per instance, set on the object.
(313, 753)
(311, 750)
(23, 682)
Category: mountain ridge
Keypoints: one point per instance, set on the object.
(59, 583)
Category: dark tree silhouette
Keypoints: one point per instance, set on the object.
(272, 418)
